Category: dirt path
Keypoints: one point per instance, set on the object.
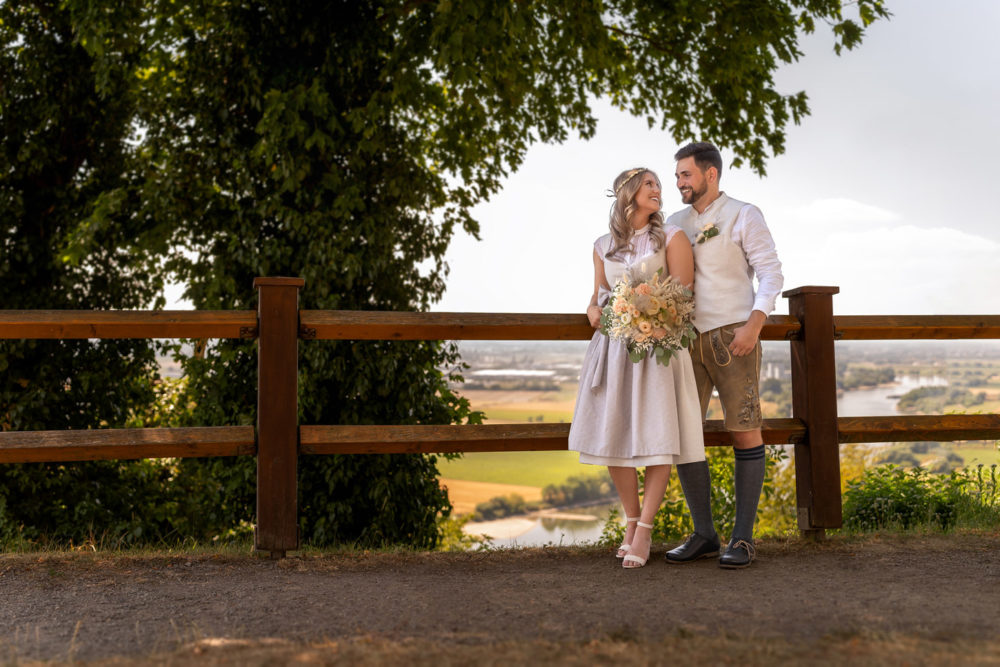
(938, 593)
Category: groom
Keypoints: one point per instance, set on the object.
(731, 245)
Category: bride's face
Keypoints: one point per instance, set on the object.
(647, 199)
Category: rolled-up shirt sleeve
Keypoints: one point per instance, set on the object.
(752, 234)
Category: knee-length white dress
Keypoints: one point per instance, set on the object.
(635, 414)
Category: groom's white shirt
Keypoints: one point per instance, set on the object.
(725, 265)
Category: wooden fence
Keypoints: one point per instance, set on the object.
(278, 325)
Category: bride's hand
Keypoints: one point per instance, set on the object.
(594, 315)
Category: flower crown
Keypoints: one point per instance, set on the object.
(629, 177)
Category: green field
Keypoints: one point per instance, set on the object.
(976, 454)
(542, 414)
(527, 468)
(541, 468)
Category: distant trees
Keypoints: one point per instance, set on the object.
(578, 489)
(931, 400)
(779, 392)
(575, 490)
(865, 376)
(499, 507)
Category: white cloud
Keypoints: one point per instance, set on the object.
(901, 269)
(838, 211)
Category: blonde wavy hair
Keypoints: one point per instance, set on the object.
(625, 188)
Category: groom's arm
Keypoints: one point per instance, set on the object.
(746, 336)
(753, 236)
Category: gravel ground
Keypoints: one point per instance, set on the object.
(932, 590)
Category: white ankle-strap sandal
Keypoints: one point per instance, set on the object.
(625, 548)
(632, 558)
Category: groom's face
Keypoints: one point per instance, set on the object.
(691, 181)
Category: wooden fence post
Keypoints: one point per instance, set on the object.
(277, 414)
(814, 401)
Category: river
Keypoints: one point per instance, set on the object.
(565, 528)
(881, 400)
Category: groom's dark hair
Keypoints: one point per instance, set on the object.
(705, 155)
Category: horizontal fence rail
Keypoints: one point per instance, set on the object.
(815, 429)
(76, 324)
(917, 428)
(130, 443)
(916, 327)
(398, 325)
(552, 437)
(431, 439)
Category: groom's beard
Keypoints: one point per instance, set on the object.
(692, 195)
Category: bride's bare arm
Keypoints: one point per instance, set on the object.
(680, 259)
(593, 310)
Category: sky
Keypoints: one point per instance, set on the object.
(884, 190)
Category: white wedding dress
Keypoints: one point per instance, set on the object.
(635, 414)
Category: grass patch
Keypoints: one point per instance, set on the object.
(523, 415)
(987, 454)
(524, 468)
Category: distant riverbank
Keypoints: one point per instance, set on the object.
(579, 524)
(882, 400)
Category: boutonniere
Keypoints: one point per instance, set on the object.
(707, 232)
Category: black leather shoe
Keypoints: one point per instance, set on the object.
(694, 547)
(738, 554)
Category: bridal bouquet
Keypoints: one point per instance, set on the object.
(652, 317)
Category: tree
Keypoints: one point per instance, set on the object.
(345, 142)
(65, 124)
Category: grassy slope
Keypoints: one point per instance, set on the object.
(527, 468)
(527, 415)
(986, 454)
(524, 468)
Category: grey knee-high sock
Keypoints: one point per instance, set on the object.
(697, 485)
(749, 481)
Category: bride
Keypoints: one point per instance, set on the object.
(631, 415)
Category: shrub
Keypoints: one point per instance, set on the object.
(981, 498)
(113, 503)
(891, 497)
(454, 538)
